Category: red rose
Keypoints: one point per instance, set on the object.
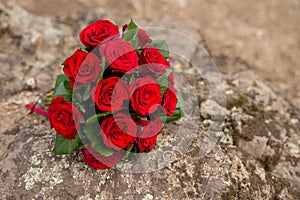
(64, 117)
(120, 56)
(148, 134)
(143, 37)
(93, 159)
(145, 95)
(110, 94)
(82, 68)
(169, 101)
(152, 61)
(118, 131)
(98, 32)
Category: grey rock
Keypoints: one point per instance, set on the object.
(210, 108)
(256, 147)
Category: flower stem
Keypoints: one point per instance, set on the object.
(96, 117)
(128, 150)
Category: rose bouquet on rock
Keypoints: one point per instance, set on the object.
(115, 95)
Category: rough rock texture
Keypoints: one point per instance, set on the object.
(254, 154)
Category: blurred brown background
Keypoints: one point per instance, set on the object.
(263, 34)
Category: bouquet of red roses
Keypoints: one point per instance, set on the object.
(115, 95)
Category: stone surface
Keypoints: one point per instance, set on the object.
(253, 154)
(210, 108)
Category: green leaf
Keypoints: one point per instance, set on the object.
(180, 101)
(81, 95)
(177, 114)
(86, 92)
(131, 34)
(83, 48)
(163, 81)
(78, 102)
(93, 133)
(162, 47)
(60, 78)
(142, 118)
(77, 98)
(131, 25)
(62, 87)
(64, 146)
